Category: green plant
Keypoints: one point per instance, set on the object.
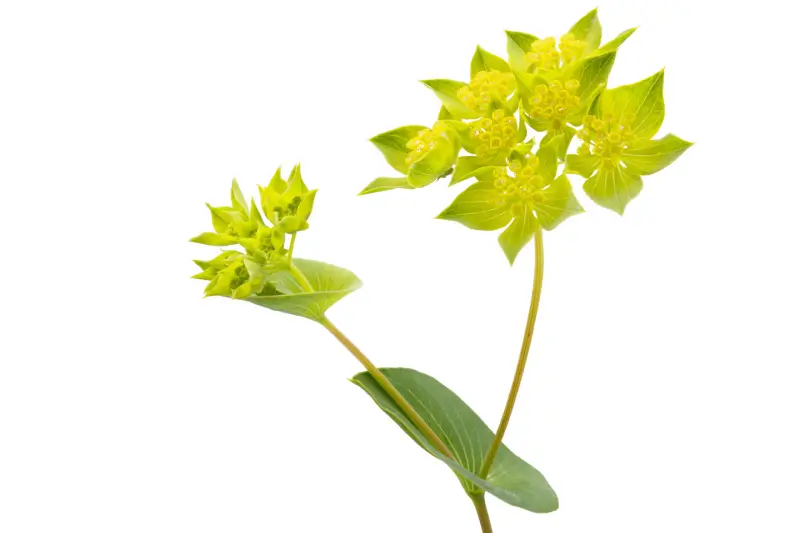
(544, 96)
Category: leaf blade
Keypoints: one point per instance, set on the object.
(511, 479)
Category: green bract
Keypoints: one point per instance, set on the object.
(266, 274)
(557, 87)
(617, 148)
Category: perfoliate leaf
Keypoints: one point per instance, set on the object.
(613, 188)
(648, 157)
(480, 207)
(386, 184)
(518, 44)
(392, 145)
(582, 165)
(615, 43)
(588, 29)
(644, 100)
(330, 284)
(511, 479)
(215, 239)
(447, 92)
(558, 204)
(483, 60)
(518, 234)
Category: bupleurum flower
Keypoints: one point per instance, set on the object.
(555, 101)
(493, 135)
(522, 194)
(617, 143)
(486, 87)
(545, 55)
(606, 138)
(425, 142)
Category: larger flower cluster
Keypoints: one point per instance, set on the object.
(554, 87)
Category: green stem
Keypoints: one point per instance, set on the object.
(291, 246)
(523, 356)
(390, 389)
(300, 278)
(479, 500)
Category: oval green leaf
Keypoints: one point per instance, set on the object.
(511, 479)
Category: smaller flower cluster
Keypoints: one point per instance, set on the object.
(486, 86)
(555, 100)
(606, 137)
(545, 55)
(425, 141)
(494, 134)
(520, 180)
(287, 206)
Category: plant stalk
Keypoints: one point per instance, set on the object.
(479, 500)
(390, 389)
(523, 355)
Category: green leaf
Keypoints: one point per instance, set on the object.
(447, 92)
(483, 60)
(392, 145)
(582, 165)
(330, 284)
(651, 156)
(215, 239)
(480, 207)
(386, 184)
(613, 188)
(466, 167)
(615, 43)
(588, 29)
(558, 204)
(644, 100)
(511, 479)
(518, 234)
(518, 44)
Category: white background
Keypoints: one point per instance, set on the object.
(662, 392)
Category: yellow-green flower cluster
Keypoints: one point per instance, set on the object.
(545, 55)
(425, 141)
(606, 137)
(554, 101)
(287, 206)
(485, 87)
(520, 180)
(494, 134)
